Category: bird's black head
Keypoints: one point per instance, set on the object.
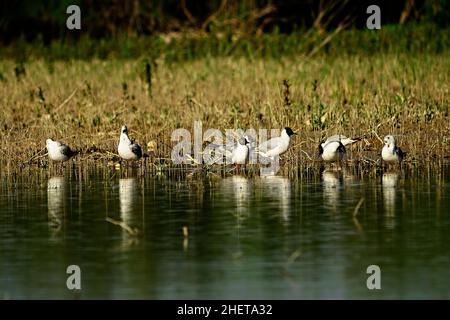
(341, 148)
(244, 140)
(124, 129)
(289, 131)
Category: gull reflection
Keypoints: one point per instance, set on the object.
(332, 187)
(128, 190)
(56, 187)
(279, 188)
(239, 187)
(389, 182)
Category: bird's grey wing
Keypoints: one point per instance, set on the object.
(336, 137)
(269, 144)
(137, 150)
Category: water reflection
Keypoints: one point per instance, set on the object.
(279, 189)
(332, 188)
(56, 187)
(238, 188)
(389, 182)
(128, 197)
(313, 255)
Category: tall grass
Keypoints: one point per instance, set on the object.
(84, 102)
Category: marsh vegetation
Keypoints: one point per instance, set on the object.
(369, 94)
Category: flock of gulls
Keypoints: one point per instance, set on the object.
(333, 149)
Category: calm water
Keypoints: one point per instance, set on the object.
(270, 237)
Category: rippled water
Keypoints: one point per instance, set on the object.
(264, 237)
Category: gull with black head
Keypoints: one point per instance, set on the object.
(333, 148)
(276, 146)
(240, 153)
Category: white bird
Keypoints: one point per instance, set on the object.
(58, 151)
(332, 151)
(276, 146)
(127, 149)
(390, 152)
(238, 153)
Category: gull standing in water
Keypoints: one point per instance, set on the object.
(127, 149)
(276, 146)
(391, 153)
(58, 151)
(332, 151)
(240, 153)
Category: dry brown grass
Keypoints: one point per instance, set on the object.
(85, 103)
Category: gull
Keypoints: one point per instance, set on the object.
(391, 153)
(127, 149)
(333, 149)
(58, 151)
(276, 146)
(239, 153)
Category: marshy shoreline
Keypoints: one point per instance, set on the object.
(384, 86)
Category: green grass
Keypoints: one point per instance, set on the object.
(184, 46)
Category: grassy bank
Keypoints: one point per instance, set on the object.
(84, 102)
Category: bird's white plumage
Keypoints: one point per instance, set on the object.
(240, 153)
(127, 149)
(275, 146)
(390, 152)
(332, 151)
(58, 151)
